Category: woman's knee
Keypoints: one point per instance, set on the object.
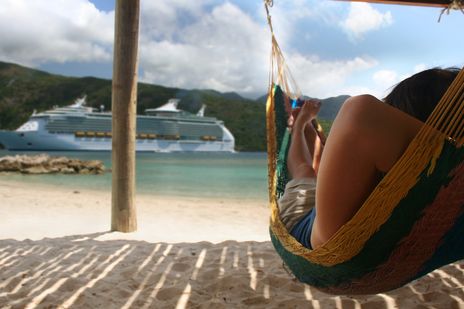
(355, 115)
(359, 108)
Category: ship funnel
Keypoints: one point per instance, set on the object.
(201, 112)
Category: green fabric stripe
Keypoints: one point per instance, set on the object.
(282, 139)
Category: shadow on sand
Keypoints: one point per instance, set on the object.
(81, 271)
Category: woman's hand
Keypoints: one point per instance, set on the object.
(304, 114)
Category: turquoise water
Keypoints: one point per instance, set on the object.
(204, 175)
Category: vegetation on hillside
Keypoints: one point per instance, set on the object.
(23, 90)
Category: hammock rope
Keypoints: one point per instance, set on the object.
(454, 5)
(280, 73)
(396, 235)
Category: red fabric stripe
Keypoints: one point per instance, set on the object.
(419, 246)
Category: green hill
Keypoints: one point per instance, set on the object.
(23, 90)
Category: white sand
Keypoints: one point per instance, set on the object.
(56, 252)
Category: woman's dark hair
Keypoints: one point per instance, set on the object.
(419, 94)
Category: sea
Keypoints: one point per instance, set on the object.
(241, 175)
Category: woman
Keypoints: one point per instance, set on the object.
(366, 139)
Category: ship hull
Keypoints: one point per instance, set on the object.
(43, 141)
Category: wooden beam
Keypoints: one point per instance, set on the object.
(124, 102)
(432, 3)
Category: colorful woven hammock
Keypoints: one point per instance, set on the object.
(412, 223)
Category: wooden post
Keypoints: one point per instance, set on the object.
(124, 102)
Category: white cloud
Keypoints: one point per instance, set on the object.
(384, 81)
(194, 44)
(322, 78)
(225, 49)
(385, 77)
(363, 18)
(222, 48)
(420, 67)
(161, 18)
(34, 32)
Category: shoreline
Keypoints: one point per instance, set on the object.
(37, 211)
(142, 193)
(102, 183)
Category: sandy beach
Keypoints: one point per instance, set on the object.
(56, 251)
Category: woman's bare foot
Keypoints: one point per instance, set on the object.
(313, 110)
(306, 147)
(314, 107)
(306, 114)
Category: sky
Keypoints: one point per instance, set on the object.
(331, 47)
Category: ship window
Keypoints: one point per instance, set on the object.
(29, 144)
(1, 146)
(22, 134)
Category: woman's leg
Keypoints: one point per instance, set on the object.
(315, 144)
(366, 139)
(299, 196)
(305, 147)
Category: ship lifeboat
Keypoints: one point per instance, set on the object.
(208, 138)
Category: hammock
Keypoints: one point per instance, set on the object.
(411, 224)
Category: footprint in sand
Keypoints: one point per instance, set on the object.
(433, 296)
(276, 282)
(169, 293)
(181, 267)
(254, 301)
(208, 275)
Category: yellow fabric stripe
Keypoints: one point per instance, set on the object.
(448, 117)
(271, 143)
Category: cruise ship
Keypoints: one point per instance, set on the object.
(78, 127)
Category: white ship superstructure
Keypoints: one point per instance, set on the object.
(78, 127)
